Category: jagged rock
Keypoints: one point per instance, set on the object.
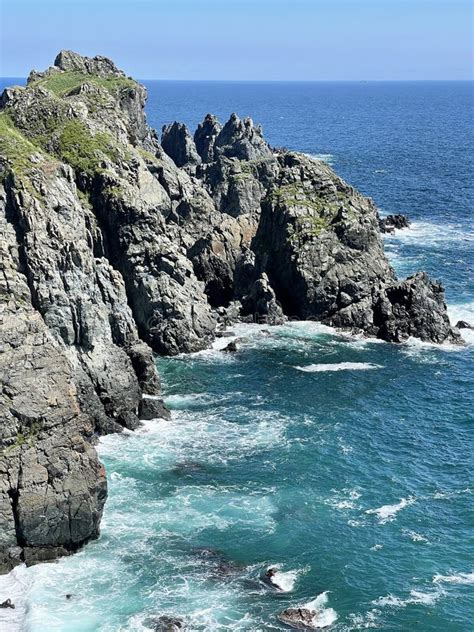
(231, 347)
(261, 303)
(391, 222)
(463, 324)
(319, 242)
(179, 144)
(102, 66)
(205, 137)
(242, 140)
(7, 604)
(414, 307)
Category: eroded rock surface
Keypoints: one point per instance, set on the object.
(114, 245)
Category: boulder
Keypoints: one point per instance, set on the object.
(299, 618)
(391, 222)
(463, 324)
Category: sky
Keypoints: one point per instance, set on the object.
(303, 40)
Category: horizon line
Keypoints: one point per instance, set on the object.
(466, 80)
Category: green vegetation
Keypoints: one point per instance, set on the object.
(239, 177)
(83, 150)
(297, 195)
(23, 438)
(307, 227)
(148, 156)
(62, 83)
(15, 147)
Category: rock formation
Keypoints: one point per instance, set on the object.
(113, 245)
(391, 222)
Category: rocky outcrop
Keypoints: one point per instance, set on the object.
(391, 222)
(114, 245)
(205, 137)
(463, 324)
(179, 145)
(299, 618)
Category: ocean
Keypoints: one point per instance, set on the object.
(346, 463)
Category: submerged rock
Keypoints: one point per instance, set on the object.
(165, 623)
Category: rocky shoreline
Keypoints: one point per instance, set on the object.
(115, 245)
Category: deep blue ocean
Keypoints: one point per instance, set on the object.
(344, 462)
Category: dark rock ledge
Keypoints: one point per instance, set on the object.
(113, 245)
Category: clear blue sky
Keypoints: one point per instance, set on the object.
(246, 39)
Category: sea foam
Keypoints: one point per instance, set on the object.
(324, 616)
(387, 513)
(14, 586)
(338, 366)
(454, 578)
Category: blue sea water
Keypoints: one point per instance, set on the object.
(347, 463)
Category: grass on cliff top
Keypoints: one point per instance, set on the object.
(15, 147)
(63, 82)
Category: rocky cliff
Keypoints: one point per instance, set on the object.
(114, 243)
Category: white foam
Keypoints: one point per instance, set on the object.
(338, 366)
(185, 401)
(284, 581)
(431, 234)
(463, 311)
(319, 602)
(343, 500)
(376, 547)
(455, 578)
(327, 158)
(414, 536)
(417, 597)
(365, 621)
(14, 586)
(387, 513)
(324, 617)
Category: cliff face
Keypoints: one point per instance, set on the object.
(113, 244)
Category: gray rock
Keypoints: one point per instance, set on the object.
(242, 140)
(165, 623)
(463, 324)
(179, 144)
(231, 347)
(205, 137)
(391, 222)
(299, 618)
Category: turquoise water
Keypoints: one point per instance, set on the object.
(346, 462)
